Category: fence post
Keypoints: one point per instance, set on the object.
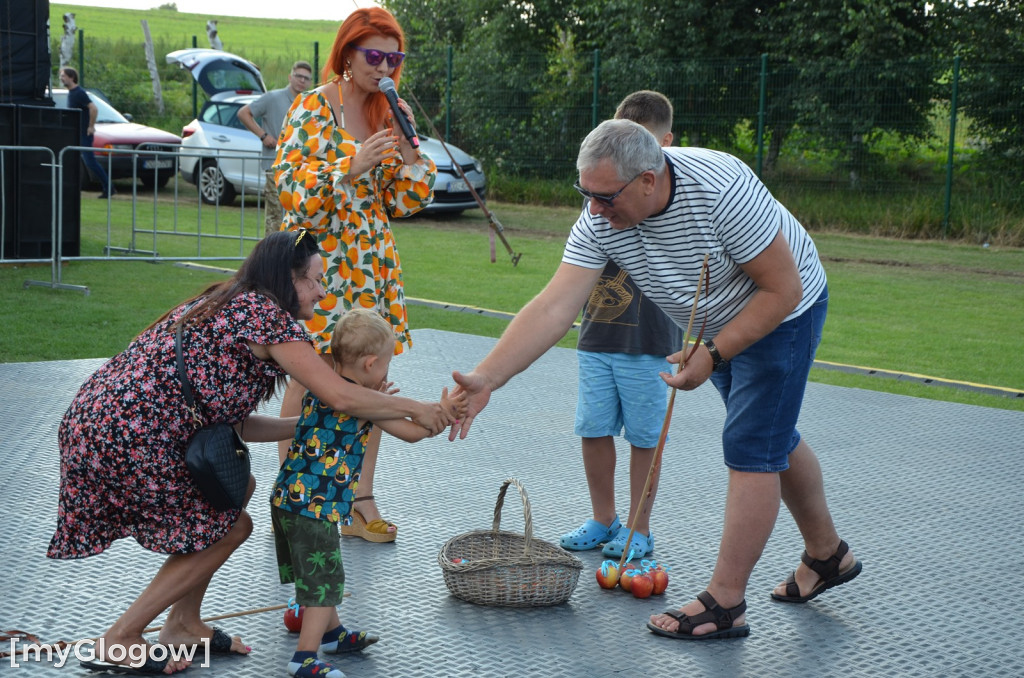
(762, 113)
(316, 61)
(195, 87)
(952, 142)
(597, 87)
(154, 74)
(81, 56)
(448, 96)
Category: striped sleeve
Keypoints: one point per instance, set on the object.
(582, 248)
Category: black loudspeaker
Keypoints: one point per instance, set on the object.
(53, 128)
(8, 182)
(24, 50)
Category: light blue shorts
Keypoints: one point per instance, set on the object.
(763, 389)
(619, 390)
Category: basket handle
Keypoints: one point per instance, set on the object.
(527, 514)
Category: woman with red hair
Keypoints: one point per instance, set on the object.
(343, 172)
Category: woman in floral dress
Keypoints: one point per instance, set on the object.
(123, 439)
(343, 173)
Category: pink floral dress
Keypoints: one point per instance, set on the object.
(123, 440)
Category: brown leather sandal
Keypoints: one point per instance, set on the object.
(721, 617)
(828, 576)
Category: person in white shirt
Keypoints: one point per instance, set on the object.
(656, 213)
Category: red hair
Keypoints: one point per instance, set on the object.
(361, 24)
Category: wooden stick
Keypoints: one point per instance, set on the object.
(668, 418)
(229, 615)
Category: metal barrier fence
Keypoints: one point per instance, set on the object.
(165, 218)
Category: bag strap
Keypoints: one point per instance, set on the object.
(186, 387)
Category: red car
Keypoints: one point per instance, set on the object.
(114, 131)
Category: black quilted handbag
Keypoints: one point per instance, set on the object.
(217, 457)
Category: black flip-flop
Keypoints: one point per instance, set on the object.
(220, 643)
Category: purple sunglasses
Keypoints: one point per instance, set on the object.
(375, 56)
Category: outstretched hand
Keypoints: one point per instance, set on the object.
(478, 392)
(455, 404)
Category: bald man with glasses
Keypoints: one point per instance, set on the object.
(270, 110)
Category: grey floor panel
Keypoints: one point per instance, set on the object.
(927, 493)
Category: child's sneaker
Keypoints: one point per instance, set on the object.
(349, 641)
(313, 668)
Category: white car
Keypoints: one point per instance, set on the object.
(222, 157)
(218, 154)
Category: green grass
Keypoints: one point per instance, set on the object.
(947, 310)
(292, 39)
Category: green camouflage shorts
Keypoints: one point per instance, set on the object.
(309, 555)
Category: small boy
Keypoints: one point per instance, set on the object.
(316, 487)
(623, 341)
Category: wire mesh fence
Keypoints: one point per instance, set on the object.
(945, 139)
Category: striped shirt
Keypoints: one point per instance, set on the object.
(718, 207)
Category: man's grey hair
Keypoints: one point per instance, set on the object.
(630, 147)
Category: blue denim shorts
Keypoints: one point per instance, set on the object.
(763, 389)
(619, 390)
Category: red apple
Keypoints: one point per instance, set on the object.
(608, 574)
(293, 618)
(659, 577)
(642, 585)
(626, 578)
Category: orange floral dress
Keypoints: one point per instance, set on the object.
(351, 220)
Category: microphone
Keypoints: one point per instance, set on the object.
(387, 87)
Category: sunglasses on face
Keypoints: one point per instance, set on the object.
(301, 76)
(375, 56)
(606, 200)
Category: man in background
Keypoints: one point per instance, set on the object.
(270, 110)
(79, 98)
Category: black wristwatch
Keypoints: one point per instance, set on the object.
(718, 362)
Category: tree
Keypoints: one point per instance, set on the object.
(988, 35)
(854, 69)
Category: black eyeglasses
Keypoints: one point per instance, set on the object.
(606, 200)
(375, 56)
(300, 76)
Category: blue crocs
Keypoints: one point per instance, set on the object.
(590, 535)
(641, 545)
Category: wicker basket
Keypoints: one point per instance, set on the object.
(491, 567)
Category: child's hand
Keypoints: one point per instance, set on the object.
(388, 387)
(455, 405)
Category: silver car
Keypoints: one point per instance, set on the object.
(222, 157)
